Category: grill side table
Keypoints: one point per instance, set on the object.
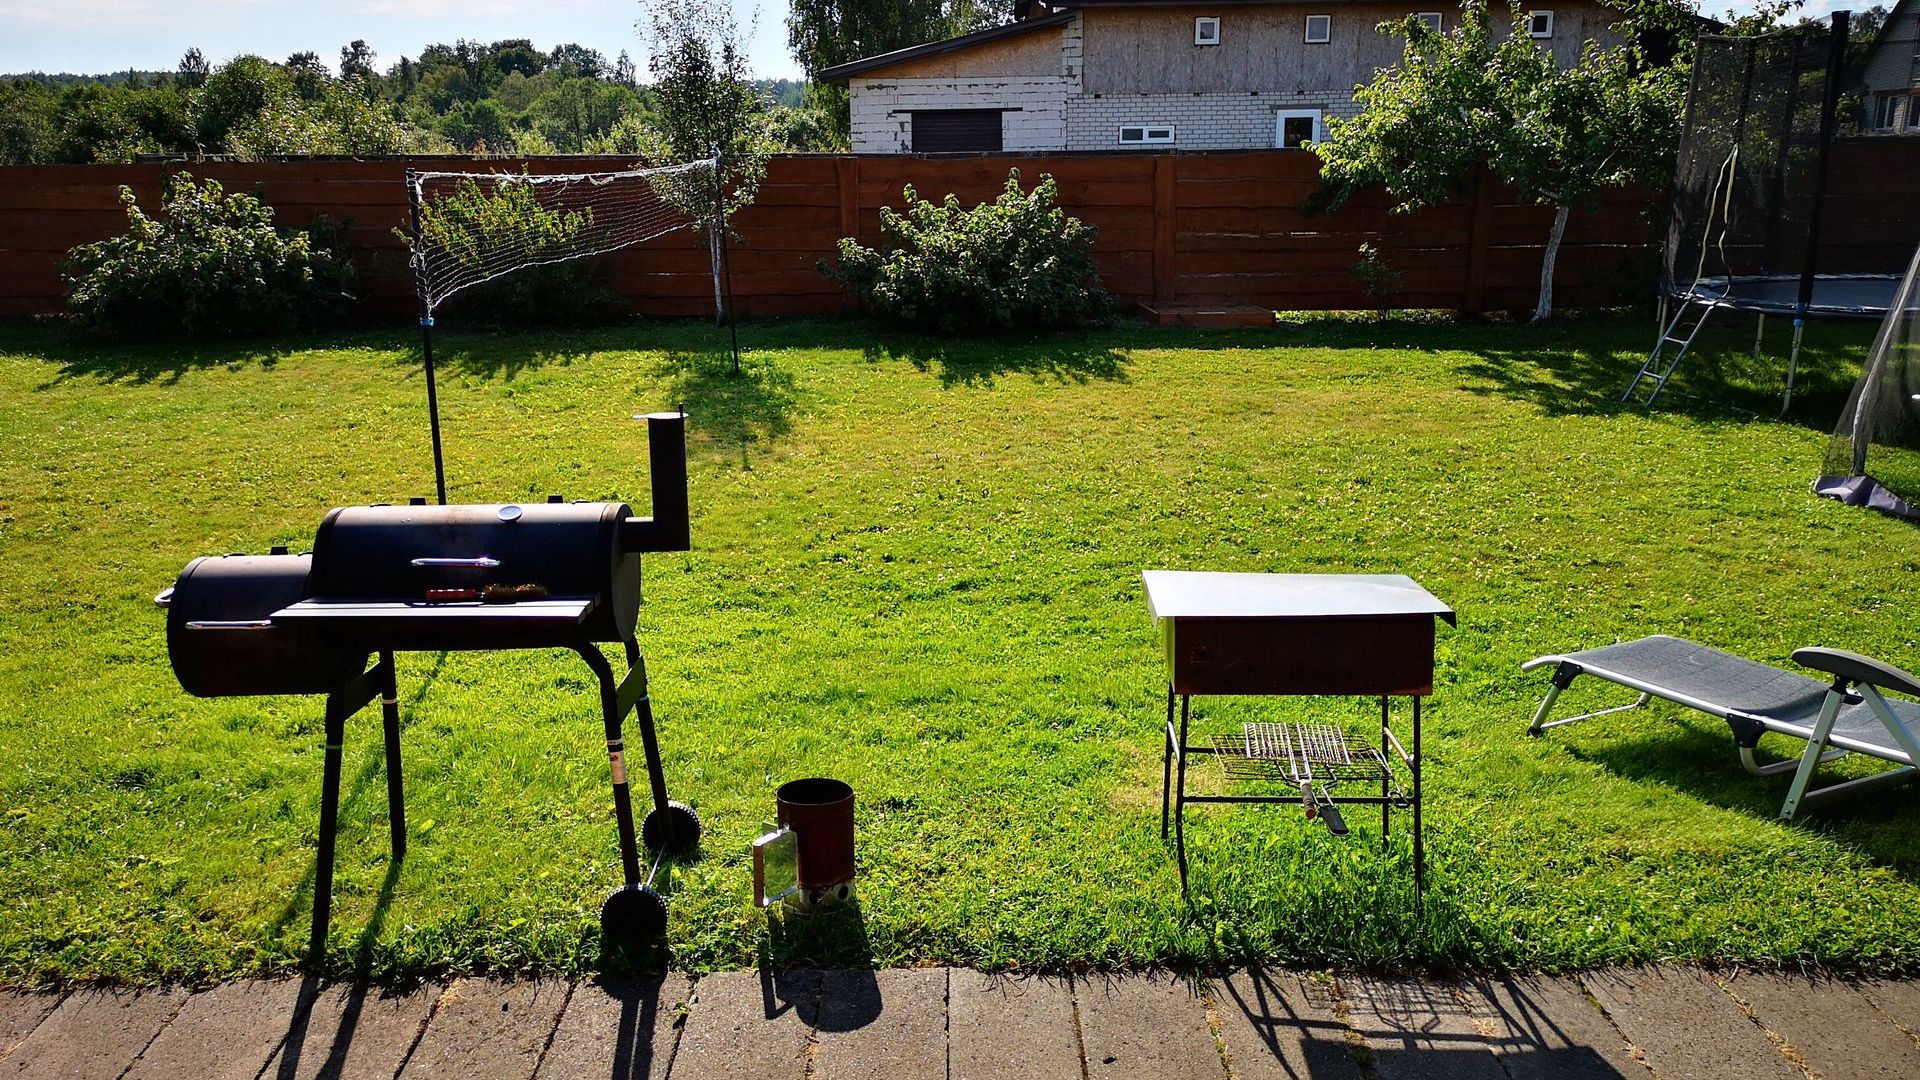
(1293, 634)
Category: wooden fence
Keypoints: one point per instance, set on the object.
(1216, 228)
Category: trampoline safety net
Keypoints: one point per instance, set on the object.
(1874, 458)
(1747, 177)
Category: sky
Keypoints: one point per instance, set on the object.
(95, 36)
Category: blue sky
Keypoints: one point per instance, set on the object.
(111, 35)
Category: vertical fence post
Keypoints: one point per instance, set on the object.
(1473, 298)
(1164, 282)
(846, 178)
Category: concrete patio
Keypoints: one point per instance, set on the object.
(963, 1025)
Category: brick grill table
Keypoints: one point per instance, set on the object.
(1293, 634)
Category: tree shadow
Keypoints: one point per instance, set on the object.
(728, 411)
(165, 363)
(978, 362)
(506, 355)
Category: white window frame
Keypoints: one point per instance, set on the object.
(1281, 117)
(1433, 20)
(1212, 21)
(1532, 31)
(1884, 106)
(1150, 134)
(1326, 30)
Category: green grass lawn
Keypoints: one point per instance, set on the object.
(917, 567)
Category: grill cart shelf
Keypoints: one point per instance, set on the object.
(1297, 634)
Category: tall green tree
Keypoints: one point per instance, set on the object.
(1481, 95)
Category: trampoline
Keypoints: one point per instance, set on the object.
(1749, 200)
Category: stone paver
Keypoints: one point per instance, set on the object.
(92, 1034)
(485, 1027)
(351, 1033)
(748, 1025)
(20, 1013)
(625, 1029)
(1545, 1028)
(1005, 1028)
(226, 1033)
(1417, 1029)
(1832, 1026)
(1897, 1001)
(1139, 1025)
(1687, 1027)
(881, 1025)
(1279, 1026)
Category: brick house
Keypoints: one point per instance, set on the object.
(1892, 73)
(1152, 74)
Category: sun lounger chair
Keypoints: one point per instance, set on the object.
(1847, 714)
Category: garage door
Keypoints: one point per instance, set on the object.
(938, 131)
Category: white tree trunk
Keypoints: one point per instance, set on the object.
(719, 305)
(1544, 309)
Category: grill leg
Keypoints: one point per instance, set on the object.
(336, 722)
(390, 719)
(1180, 797)
(1419, 837)
(1386, 777)
(1166, 765)
(650, 742)
(616, 758)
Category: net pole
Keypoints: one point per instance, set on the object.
(726, 260)
(1829, 106)
(426, 335)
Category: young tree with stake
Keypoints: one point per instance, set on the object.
(1463, 98)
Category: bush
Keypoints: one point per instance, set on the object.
(1016, 262)
(211, 264)
(483, 229)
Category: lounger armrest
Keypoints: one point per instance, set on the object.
(1855, 668)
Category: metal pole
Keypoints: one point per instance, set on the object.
(426, 335)
(720, 240)
(1829, 105)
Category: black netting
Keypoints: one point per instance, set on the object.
(1874, 458)
(1745, 183)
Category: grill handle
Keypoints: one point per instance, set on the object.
(164, 598)
(668, 528)
(481, 562)
(230, 624)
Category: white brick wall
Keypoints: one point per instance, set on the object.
(1200, 121)
(881, 109)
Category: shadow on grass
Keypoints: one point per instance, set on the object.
(1693, 758)
(1066, 358)
(729, 411)
(164, 363)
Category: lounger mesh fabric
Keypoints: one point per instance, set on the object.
(1874, 457)
(1733, 687)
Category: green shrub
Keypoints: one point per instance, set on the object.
(211, 264)
(484, 229)
(1018, 262)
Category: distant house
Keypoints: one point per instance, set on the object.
(1892, 73)
(1153, 74)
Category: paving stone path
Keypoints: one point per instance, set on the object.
(956, 1024)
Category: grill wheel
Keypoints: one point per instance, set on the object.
(633, 913)
(686, 829)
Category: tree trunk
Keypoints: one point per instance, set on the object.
(719, 305)
(1544, 309)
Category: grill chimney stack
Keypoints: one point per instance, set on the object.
(668, 528)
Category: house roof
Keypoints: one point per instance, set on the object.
(842, 72)
(1886, 24)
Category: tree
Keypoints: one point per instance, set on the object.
(356, 61)
(1465, 98)
(824, 33)
(706, 101)
(310, 76)
(193, 70)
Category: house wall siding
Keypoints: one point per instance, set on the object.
(1035, 118)
(1200, 121)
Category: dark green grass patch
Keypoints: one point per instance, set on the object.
(917, 568)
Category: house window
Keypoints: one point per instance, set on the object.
(1883, 112)
(1206, 30)
(1540, 24)
(1295, 128)
(1430, 20)
(1319, 29)
(1144, 134)
(937, 131)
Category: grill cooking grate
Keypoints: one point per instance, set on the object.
(1295, 753)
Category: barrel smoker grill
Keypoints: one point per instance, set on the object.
(387, 579)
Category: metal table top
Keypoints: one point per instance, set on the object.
(1191, 594)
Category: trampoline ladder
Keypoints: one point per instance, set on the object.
(1652, 371)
